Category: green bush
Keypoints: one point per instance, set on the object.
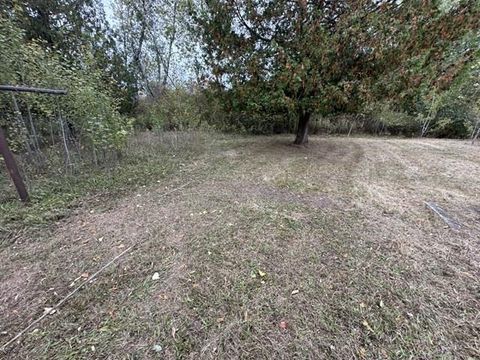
(175, 109)
(454, 119)
(89, 109)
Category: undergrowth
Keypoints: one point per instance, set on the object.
(148, 158)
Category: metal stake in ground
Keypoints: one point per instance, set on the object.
(12, 168)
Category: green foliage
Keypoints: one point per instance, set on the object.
(255, 123)
(94, 112)
(450, 108)
(89, 106)
(182, 109)
(304, 57)
(395, 122)
(73, 28)
(152, 40)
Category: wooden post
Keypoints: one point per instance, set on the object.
(12, 168)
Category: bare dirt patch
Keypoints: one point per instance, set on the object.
(268, 251)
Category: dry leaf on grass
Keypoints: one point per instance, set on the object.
(367, 326)
(283, 325)
(156, 276)
(157, 348)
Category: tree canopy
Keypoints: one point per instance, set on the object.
(27, 57)
(303, 57)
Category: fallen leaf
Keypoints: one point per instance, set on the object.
(261, 273)
(156, 276)
(157, 348)
(367, 325)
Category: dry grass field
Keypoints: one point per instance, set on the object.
(262, 250)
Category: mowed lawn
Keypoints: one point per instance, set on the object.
(264, 250)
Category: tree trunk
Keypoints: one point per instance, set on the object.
(166, 66)
(302, 129)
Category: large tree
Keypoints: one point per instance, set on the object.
(150, 34)
(324, 56)
(76, 29)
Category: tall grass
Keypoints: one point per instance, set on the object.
(56, 191)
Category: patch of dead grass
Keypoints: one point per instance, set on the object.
(346, 255)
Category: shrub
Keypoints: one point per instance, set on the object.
(89, 110)
(174, 109)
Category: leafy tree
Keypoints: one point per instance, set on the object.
(89, 105)
(320, 56)
(150, 34)
(73, 28)
(453, 112)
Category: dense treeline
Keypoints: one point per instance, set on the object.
(260, 67)
(118, 73)
(64, 45)
(398, 63)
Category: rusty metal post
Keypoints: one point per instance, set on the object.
(33, 90)
(12, 168)
(5, 151)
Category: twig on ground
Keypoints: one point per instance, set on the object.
(78, 288)
(452, 223)
(66, 298)
(176, 189)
